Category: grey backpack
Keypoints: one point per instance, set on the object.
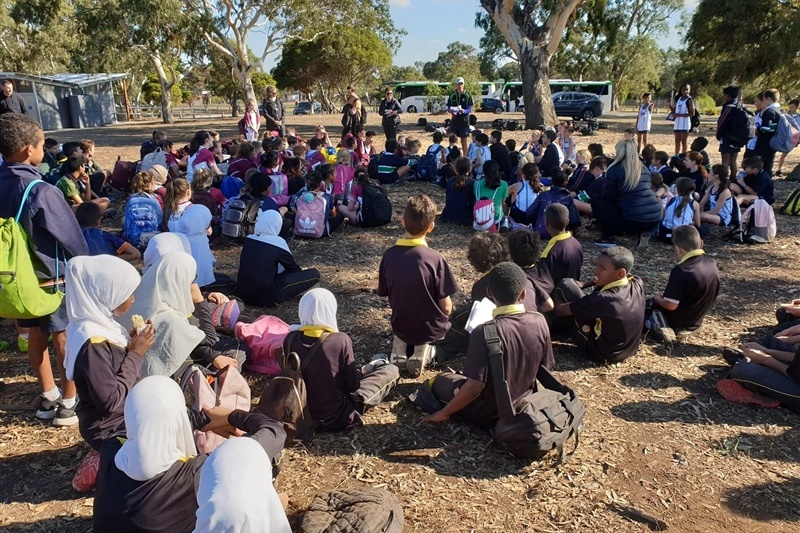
(356, 510)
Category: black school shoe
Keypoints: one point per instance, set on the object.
(661, 327)
(732, 355)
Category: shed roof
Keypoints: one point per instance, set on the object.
(66, 79)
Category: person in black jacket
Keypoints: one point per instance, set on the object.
(11, 102)
(732, 128)
(268, 273)
(389, 111)
(767, 119)
(274, 111)
(627, 203)
(53, 237)
(500, 154)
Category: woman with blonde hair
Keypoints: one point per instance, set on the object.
(251, 121)
(628, 204)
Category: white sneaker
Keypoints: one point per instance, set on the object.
(423, 355)
(398, 356)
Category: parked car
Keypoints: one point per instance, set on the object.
(493, 105)
(302, 108)
(577, 105)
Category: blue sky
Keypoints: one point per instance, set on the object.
(433, 24)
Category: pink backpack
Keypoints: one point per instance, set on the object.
(280, 189)
(265, 338)
(204, 389)
(344, 176)
(483, 212)
(311, 217)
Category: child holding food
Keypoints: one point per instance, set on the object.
(103, 359)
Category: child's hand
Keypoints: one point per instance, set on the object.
(217, 298)
(437, 418)
(223, 361)
(142, 341)
(219, 422)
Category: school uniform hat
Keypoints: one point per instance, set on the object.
(160, 175)
(459, 80)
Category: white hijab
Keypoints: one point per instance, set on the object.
(165, 298)
(159, 432)
(318, 308)
(268, 227)
(96, 285)
(236, 495)
(163, 243)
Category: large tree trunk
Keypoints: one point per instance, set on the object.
(166, 89)
(535, 66)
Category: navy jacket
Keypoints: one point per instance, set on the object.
(47, 219)
(638, 204)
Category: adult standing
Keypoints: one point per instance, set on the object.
(459, 105)
(767, 119)
(274, 112)
(683, 111)
(389, 111)
(11, 102)
(351, 113)
(627, 204)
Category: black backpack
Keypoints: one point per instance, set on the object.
(376, 209)
(428, 167)
(541, 421)
(363, 113)
(239, 219)
(696, 118)
(743, 124)
(498, 124)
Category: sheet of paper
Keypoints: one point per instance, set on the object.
(480, 313)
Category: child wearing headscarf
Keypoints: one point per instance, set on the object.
(268, 273)
(165, 298)
(236, 494)
(338, 394)
(103, 358)
(147, 482)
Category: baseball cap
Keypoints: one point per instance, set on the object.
(459, 80)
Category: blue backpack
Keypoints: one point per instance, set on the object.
(786, 135)
(428, 167)
(231, 186)
(142, 215)
(538, 208)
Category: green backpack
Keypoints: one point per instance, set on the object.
(20, 294)
(792, 205)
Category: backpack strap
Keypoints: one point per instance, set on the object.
(505, 406)
(30, 186)
(312, 352)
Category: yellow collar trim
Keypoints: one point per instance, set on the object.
(504, 310)
(614, 284)
(316, 331)
(693, 253)
(558, 238)
(412, 242)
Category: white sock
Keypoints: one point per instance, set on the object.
(52, 395)
(69, 403)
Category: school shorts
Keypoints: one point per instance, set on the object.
(461, 130)
(52, 323)
(729, 149)
(681, 131)
(642, 131)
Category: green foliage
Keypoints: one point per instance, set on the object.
(411, 73)
(458, 60)
(151, 90)
(706, 105)
(747, 42)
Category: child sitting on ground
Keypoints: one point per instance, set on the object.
(608, 323)
(525, 247)
(211, 197)
(562, 257)
(459, 195)
(682, 210)
(756, 183)
(695, 170)
(660, 160)
(338, 394)
(194, 221)
(143, 211)
(699, 145)
(524, 193)
(660, 189)
(692, 288)
(391, 167)
(343, 176)
(580, 177)
(76, 186)
(352, 208)
(102, 242)
(482, 155)
(419, 283)
(314, 155)
(487, 250)
(597, 168)
(718, 203)
(526, 346)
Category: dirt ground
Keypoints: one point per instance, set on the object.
(658, 438)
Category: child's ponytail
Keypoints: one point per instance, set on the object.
(684, 187)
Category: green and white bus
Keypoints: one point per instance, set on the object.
(412, 97)
(511, 92)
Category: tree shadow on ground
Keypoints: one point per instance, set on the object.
(41, 476)
(62, 525)
(705, 406)
(766, 501)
